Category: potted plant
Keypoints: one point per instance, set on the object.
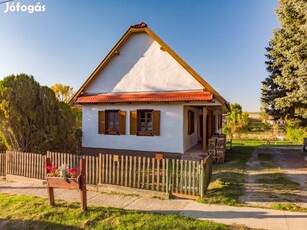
(63, 177)
(66, 178)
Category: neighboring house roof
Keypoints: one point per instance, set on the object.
(145, 97)
(142, 27)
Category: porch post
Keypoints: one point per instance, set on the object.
(205, 113)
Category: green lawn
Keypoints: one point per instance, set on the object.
(27, 212)
(227, 179)
(227, 182)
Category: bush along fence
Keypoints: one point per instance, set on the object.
(178, 177)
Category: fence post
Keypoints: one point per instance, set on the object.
(83, 184)
(201, 179)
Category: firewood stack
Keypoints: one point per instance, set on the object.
(217, 147)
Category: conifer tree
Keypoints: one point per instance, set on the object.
(285, 90)
(31, 117)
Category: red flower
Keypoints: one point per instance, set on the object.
(73, 172)
(51, 168)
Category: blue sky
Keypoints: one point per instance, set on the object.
(223, 40)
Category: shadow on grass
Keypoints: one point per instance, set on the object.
(32, 224)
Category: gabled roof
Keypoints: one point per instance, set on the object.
(142, 27)
(145, 97)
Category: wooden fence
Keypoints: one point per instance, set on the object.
(25, 164)
(179, 177)
(2, 164)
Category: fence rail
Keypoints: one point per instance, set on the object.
(171, 176)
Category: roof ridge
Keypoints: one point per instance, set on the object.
(140, 25)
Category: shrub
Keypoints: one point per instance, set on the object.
(296, 134)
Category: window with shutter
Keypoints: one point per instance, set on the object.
(112, 122)
(156, 123)
(101, 122)
(133, 123)
(145, 122)
(122, 122)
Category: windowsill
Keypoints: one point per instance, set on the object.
(112, 133)
(142, 133)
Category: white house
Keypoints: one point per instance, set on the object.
(144, 99)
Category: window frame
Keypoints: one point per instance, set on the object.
(145, 132)
(103, 120)
(112, 132)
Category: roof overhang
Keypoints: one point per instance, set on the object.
(145, 97)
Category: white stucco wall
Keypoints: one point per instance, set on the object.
(171, 126)
(142, 67)
(190, 140)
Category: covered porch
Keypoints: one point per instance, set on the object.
(201, 123)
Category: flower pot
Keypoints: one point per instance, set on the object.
(59, 182)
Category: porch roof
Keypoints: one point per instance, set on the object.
(145, 97)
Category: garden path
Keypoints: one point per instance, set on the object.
(276, 175)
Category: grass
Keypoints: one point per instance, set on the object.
(259, 142)
(28, 212)
(288, 207)
(278, 179)
(227, 182)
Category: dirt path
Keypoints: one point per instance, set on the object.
(276, 175)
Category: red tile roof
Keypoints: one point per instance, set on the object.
(145, 97)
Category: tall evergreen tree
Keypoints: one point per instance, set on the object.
(285, 90)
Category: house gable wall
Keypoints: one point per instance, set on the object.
(142, 66)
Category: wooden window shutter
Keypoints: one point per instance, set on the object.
(101, 122)
(133, 123)
(156, 123)
(122, 122)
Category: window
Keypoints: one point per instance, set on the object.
(190, 122)
(145, 123)
(112, 122)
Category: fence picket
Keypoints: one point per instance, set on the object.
(114, 170)
(110, 169)
(163, 175)
(139, 172)
(147, 173)
(130, 171)
(122, 170)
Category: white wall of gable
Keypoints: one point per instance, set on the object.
(171, 126)
(142, 67)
